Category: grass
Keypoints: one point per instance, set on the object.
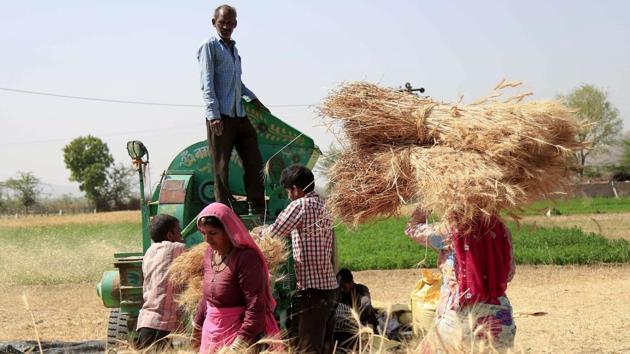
(114, 217)
(59, 254)
(78, 250)
(538, 245)
(382, 245)
(613, 225)
(580, 206)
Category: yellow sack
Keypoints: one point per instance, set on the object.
(424, 300)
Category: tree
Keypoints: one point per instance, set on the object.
(88, 160)
(603, 124)
(2, 199)
(26, 187)
(621, 169)
(120, 182)
(326, 162)
(625, 155)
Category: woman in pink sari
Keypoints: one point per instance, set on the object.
(236, 308)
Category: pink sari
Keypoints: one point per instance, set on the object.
(221, 325)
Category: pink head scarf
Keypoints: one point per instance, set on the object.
(240, 237)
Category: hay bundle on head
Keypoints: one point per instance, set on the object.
(372, 116)
(460, 161)
(368, 185)
(441, 179)
(186, 272)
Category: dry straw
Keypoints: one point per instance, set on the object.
(28, 308)
(186, 272)
(460, 161)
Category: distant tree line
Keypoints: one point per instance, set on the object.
(106, 186)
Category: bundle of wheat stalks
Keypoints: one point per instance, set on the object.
(186, 272)
(461, 161)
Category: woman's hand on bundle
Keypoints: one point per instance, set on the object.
(257, 231)
(260, 231)
(448, 244)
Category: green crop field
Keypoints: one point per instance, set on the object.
(382, 245)
(51, 251)
(580, 206)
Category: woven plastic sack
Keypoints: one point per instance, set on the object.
(424, 300)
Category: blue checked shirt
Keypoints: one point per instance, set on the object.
(221, 79)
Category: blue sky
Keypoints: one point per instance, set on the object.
(293, 53)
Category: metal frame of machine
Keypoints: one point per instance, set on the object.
(184, 189)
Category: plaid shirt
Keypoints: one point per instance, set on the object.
(310, 227)
(159, 310)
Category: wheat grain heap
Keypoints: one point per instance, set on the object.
(186, 272)
(461, 161)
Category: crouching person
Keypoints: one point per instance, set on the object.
(354, 297)
(159, 316)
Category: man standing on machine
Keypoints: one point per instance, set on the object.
(227, 124)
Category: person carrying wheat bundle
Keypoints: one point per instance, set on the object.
(466, 163)
(477, 262)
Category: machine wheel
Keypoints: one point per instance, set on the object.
(117, 331)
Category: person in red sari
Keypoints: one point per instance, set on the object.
(484, 265)
(477, 261)
(236, 308)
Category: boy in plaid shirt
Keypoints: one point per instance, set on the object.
(308, 224)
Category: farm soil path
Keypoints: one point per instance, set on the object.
(587, 308)
(70, 312)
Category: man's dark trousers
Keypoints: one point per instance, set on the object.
(240, 134)
(317, 320)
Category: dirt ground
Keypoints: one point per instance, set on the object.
(61, 312)
(587, 308)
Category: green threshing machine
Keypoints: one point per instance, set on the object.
(184, 189)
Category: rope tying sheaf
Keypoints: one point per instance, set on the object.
(420, 115)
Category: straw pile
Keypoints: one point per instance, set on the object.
(460, 161)
(186, 272)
